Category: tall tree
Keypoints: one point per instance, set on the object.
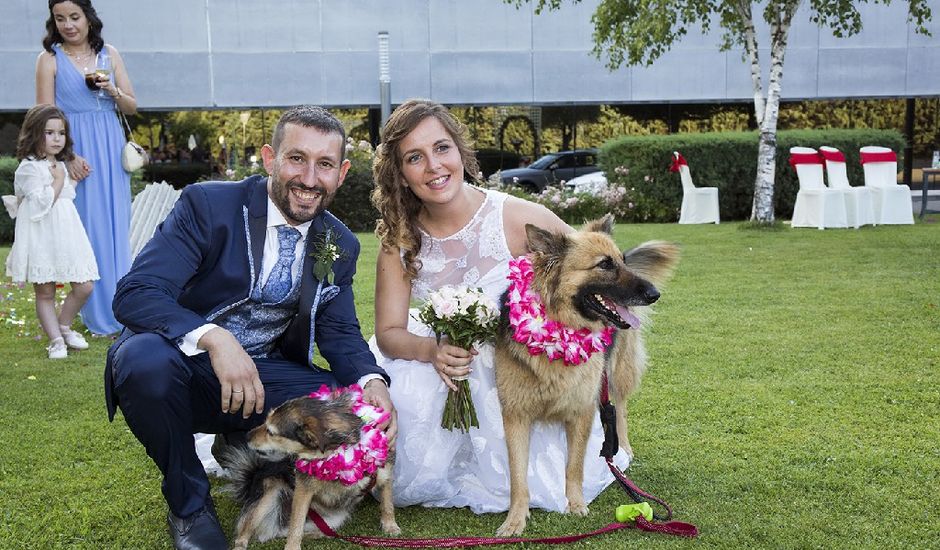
(639, 32)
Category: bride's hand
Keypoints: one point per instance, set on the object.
(450, 361)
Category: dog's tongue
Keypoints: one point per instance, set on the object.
(628, 316)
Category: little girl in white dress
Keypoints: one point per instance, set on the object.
(50, 245)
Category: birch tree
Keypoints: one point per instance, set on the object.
(639, 32)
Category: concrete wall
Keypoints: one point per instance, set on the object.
(267, 53)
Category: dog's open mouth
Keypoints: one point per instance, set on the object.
(618, 315)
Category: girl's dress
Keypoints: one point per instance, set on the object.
(442, 468)
(103, 199)
(49, 244)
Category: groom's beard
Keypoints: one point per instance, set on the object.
(297, 214)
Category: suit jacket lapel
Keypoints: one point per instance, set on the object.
(308, 283)
(257, 224)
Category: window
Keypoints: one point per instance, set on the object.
(586, 159)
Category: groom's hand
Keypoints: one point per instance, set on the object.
(236, 371)
(376, 393)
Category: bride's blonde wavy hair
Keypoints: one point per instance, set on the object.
(397, 205)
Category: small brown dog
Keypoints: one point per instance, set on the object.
(584, 281)
(265, 480)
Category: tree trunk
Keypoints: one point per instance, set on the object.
(762, 210)
(743, 8)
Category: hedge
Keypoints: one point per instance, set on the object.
(176, 174)
(352, 204)
(638, 164)
(7, 170)
(726, 160)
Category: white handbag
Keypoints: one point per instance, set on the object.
(133, 156)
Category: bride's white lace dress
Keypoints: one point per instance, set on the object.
(441, 468)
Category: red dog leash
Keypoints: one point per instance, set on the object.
(609, 449)
(608, 415)
(670, 528)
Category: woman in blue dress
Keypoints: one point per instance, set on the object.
(73, 48)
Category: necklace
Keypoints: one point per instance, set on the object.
(533, 329)
(75, 56)
(351, 462)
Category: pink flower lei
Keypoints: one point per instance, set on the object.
(532, 327)
(351, 463)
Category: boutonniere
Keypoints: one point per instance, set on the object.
(325, 252)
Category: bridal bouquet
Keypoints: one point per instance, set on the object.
(466, 316)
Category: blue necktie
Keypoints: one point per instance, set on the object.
(279, 282)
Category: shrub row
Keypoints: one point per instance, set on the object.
(7, 170)
(176, 174)
(641, 187)
(726, 160)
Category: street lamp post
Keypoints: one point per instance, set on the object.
(243, 117)
(385, 79)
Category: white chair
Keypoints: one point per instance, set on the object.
(148, 210)
(699, 204)
(892, 201)
(859, 205)
(816, 205)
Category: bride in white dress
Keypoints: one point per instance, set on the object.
(438, 230)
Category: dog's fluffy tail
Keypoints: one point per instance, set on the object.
(249, 471)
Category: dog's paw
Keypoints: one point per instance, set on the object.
(391, 528)
(514, 525)
(578, 509)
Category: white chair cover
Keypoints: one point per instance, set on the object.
(816, 205)
(859, 205)
(148, 210)
(892, 201)
(699, 204)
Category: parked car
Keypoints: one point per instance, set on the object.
(592, 183)
(552, 169)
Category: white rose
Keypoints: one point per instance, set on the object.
(444, 302)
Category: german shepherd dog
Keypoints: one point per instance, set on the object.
(584, 281)
(275, 496)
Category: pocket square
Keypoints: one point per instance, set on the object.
(328, 293)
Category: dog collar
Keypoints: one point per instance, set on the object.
(350, 463)
(533, 329)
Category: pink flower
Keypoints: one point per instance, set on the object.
(532, 327)
(350, 463)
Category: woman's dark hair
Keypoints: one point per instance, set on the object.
(94, 26)
(32, 139)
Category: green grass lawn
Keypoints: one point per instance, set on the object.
(792, 401)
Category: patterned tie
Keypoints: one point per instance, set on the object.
(279, 283)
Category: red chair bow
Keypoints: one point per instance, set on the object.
(833, 156)
(677, 161)
(805, 158)
(889, 156)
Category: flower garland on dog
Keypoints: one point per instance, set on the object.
(352, 462)
(532, 327)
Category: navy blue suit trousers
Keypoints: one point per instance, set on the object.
(166, 397)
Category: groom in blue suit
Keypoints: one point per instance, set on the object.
(226, 307)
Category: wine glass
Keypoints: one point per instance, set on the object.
(91, 79)
(102, 70)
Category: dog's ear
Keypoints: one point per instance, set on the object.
(653, 260)
(603, 225)
(310, 433)
(544, 242)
